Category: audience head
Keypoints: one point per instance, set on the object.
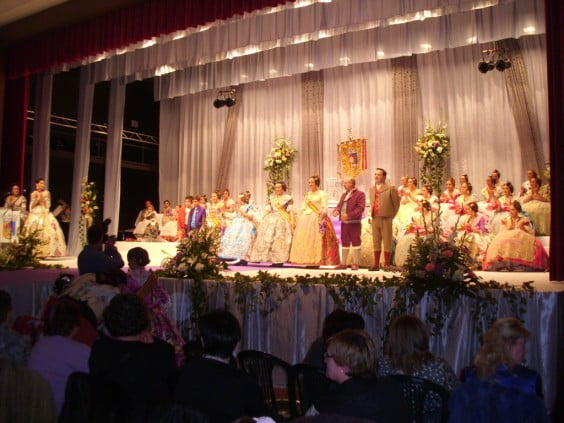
(221, 332)
(63, 318)
(126, 315)
(138, 257)
(407, 343)
(62, 283)
(5, 306)
(95, 234)
(339, 320)
(350, 353)
(503, 343)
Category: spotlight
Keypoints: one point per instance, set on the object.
(483, 67)
(502, 64)
(225, 98)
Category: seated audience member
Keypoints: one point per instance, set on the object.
(24, 395)
(12, 345)
(350, 361)
(145, 284)
(55, 356)
(100, 255)
(213, 385)
(335, 322)
(141, 366)
(498, 388)
(406, 352)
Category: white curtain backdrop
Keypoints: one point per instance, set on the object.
(357, 98)
(112, 185)
(41, 127)
(81, 158)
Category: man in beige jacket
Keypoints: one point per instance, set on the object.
(384, 204)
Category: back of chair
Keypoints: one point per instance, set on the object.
(311, 383)
(261, 366)
(426, 400)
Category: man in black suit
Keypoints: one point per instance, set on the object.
(211, 383)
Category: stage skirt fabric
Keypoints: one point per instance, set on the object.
(238, 236)
(539, 212)
(315, 241)
(50, 233)
(516, 250)
(273, 241)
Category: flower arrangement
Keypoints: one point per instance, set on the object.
(88, 204)
(433, 148)
(196, 256)
(278, 163)
(23, 254)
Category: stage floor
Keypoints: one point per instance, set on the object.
(158, 251)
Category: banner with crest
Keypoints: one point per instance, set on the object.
(352, 157)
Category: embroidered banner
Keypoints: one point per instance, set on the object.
(352, 157)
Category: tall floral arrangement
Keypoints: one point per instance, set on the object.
(433, 149)
(88, 208)
(278, 163)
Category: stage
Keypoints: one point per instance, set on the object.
(286, 328)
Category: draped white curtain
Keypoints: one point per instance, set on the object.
(358, 99)
(81, 158)
(112, 185)
(41, 127)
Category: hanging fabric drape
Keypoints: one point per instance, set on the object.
(228, 146)
(41, 127)
(521, 102)
(112, 185)
(81, 159)
(406, 112)
(311, 156)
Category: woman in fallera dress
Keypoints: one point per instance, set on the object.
(537, 205)
(315, 242)
(502, 208)
(274, 234)
(214, 219)
(471, 232)
(169, 228)
(17, 203)
(42, 220)
(448, 199)
(227, 207)
(148, 228)
(421, 225)
(238, 237)
(515, 247)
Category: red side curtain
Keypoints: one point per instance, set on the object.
(121, 28)
(554, 45)
(14, 131)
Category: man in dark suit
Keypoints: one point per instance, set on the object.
(349, 210)
(384, 205)
(197, 215)
(212, 384)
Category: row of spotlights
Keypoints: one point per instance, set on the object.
(225, 98)
(500, 65)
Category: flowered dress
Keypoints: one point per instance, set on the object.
(315, 241)
(516, 248)
(42, 220)
(502, 212)
(472, 233)
(156, 300)
(169, 229)
(14, 204)
(238, 237)
(274, 234)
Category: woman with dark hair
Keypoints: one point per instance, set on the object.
(238, 237)
(16, 202)
(42, 220)
(227, 207)
(408, 205)
(502, 208)
(448, 199)
(515, 246)
(471, 232)
(55, 356)
(145, 284)
(406, 352)
(350, 361)
(169, 230)
(498, 388)
(421, 225)
(274, 233)
(315, 242)
(214, 218)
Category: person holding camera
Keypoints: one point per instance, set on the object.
(101, 254)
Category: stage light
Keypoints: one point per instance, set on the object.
(483, 67)
(225, 98)
(501, 65)
(494, 59)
